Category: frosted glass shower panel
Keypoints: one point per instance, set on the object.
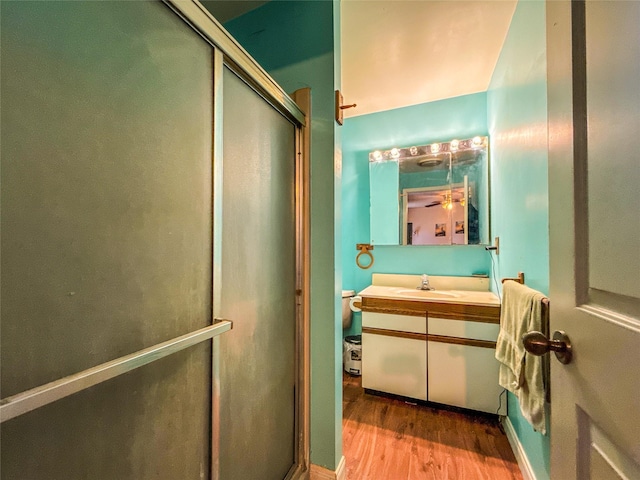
(106, 184)
(106, 149)
(258, 357)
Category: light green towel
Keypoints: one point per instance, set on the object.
(520, 372)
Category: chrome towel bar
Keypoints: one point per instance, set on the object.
(37, 397)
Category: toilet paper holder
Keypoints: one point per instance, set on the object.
(365, 249)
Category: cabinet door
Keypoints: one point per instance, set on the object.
(465, 376)
(395, 365)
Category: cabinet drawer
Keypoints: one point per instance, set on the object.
(463, 329)
(386, 321)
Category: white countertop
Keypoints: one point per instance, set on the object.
(467, 297)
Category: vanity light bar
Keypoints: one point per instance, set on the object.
(396, 154)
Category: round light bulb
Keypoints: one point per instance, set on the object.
(413, 150)
(454, 145)
(477, 141)
(435, 147)
(395, 153)
(377, 155)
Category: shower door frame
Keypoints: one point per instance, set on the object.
(226, 53)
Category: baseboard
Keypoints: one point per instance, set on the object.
(518, 451)
(320, 473)
(341, 470)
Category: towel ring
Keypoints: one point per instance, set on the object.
(364, 250)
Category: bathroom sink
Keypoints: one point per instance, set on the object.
(416, 292)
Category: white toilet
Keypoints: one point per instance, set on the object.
(346, 311)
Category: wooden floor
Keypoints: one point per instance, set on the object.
(388, 439)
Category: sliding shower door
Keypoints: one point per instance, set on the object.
(125, 226)
(106, 238)
(258, 367)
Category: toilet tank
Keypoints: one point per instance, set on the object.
(346, 311)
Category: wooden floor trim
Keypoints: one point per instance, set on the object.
(430, 337)
(518, 450)
(341, 471)
(471, 342)
(394, 333)
(454, 311)
(320, 473)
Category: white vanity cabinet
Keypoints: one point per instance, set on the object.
(462, 369)
(435, 350)
(394, 354)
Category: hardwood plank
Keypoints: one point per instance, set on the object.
(389, 439)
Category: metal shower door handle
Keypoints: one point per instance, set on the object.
(536, 343)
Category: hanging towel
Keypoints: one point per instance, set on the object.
(520, 372)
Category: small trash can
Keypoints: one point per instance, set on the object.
(352, 354)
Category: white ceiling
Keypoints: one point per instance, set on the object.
(397, 53)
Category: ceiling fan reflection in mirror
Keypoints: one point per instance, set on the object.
(446, 202)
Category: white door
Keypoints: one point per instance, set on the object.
(594, 175)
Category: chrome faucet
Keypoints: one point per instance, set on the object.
(425, 283)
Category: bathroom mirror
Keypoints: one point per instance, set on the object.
(434, 194)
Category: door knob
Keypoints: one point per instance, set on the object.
(536, 343)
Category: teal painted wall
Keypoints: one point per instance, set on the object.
(284, 33)
(459, 117)
(294, 42)
(517, 118)
(512, 112)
